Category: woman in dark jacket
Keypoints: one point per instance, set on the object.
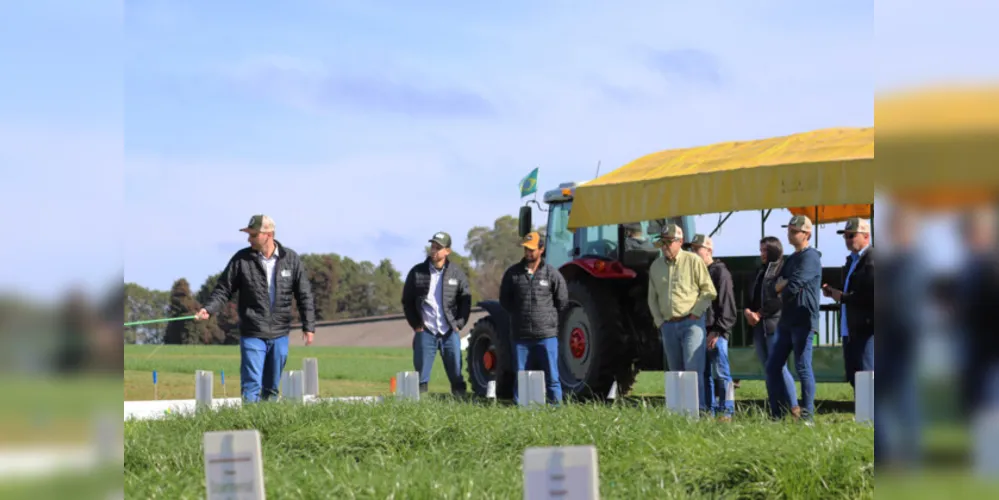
(763, 312)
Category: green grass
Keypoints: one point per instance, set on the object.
(440, 448)
(445, 449)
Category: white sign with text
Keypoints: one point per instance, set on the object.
(234, 465)
(566, 473)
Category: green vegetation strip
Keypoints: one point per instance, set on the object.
(445, 449)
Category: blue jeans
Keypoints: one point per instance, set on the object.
(683, 347)
(897, 419)
(787, 340)
(717, 376)
(425, 348)
(858, 355)
(261, 365)
(764, 345)
(541, 354)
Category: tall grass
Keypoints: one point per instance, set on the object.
(448, 449)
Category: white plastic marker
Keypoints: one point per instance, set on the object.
(730, 394)
(408, 385)
(234, 465)
(530, 388)
(204, 382)
(682, 394)
(292, 387)
(491, 389)
(863, 406)
(612, 393)
(985, 439)
(569, 472)
(310, 367)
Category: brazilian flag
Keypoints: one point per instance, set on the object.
(529, 184)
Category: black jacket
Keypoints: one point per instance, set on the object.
(457, 295)
(763, 297)
(859, 296)
(245, 274)
(720, 317)
(534, 304)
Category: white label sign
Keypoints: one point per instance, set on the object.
(234, 467)
(568, 473)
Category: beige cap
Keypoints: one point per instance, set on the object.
(801, 223)
(670, 232)
(856, 225)
(260, 223)
(702, 240)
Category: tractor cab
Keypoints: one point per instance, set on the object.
(600, 250)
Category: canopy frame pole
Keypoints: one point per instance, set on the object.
(720, 223)
(764, 215)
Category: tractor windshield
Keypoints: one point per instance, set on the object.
(559, 244)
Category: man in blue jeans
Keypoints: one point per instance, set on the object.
(534, 294)
(680, 293)
(437, 301)
(718, 322)
(799, 286)
(267, 276)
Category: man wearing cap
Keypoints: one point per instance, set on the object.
(799, 286)
(856, 320)
(719, 320)
(267, 276)
(534, 294)
(437, 301)
(680, 293)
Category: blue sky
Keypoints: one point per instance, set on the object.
(364, 127)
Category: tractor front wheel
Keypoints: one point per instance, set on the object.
(590, 339)
(488, 358)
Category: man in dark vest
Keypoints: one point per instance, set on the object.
(437, 301)
(856, 299)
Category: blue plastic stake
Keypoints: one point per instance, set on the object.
(155, 395)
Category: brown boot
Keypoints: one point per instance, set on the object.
(796, 412)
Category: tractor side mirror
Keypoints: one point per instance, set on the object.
(524, 224)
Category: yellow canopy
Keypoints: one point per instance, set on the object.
(823, 167)
(939, 147)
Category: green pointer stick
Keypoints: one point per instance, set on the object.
(163, 320)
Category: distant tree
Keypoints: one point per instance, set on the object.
(143, 304)
(183, 303)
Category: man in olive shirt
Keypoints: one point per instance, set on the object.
(680, 292)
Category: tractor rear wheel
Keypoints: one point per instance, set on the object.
(591, 341)
(488, 358)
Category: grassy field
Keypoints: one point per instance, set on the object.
(441, 448)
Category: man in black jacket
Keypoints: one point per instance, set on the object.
(437, 301)
(856, 299)
(719, 320)
(267, 276)
(534, 294)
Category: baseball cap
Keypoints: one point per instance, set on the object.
(856, 225)
(261, 223)
(801, 223)
(702, 240)
(531, 240)
(669, 232)
(441, 238)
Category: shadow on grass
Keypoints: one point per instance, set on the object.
(822, 407)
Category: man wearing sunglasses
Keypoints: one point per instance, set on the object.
(856, 299)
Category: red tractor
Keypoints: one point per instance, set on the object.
(606, 334)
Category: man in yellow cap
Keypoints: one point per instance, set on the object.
(534, 294)
(680, 293)
(267, 276)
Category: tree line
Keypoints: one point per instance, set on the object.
(342, 288)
